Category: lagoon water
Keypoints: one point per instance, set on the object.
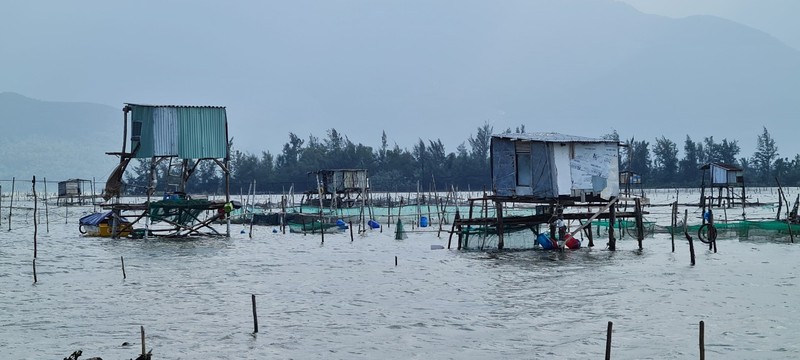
(348, 300)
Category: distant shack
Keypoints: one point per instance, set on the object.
(74, 191)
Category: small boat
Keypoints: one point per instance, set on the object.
(101, 224)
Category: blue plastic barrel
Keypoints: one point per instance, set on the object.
(423, 221)
(373, 224)
(544, 241)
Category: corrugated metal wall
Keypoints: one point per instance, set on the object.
(504, 179)
(181, 131)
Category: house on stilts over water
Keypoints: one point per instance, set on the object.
(176, 139)
(561, 181)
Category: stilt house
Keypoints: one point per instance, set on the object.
(548, 165)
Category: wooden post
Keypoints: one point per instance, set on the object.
(500, 243)
(639, 222)
(452, 229)
(608, 340)
(123, 268)
(589, 229)
(35, 223)
(688, 237)
(395, 261)
(674, 223)
(466, 236)
(144, 348)
(351, 231)
(46, 209)
(702, 340)
(612, 219)
(255, 316)
(283, 214)
(321, 230)
(34, 271)
(11, 205)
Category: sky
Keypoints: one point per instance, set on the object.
(258, 59)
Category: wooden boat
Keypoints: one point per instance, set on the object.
(101, 224)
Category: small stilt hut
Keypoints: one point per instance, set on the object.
(179, 137)
(550, 173)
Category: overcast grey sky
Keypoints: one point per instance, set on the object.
(359, 66)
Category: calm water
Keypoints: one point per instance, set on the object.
(346, 300)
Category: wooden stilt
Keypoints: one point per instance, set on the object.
(452, 229)
(500, 243)
(612, 220)
(688, 237)
(35, 225)
(608, 340)
(639, 222)
(702, 340)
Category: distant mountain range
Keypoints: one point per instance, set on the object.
(57, 140)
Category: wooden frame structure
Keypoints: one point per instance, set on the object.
(550, 173)
(182, 137)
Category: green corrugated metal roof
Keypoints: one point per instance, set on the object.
(201, 131)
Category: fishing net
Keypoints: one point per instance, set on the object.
(178, 211)
(399, 232)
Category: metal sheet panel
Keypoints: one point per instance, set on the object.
(165, 131)
(142, 133)
(541, 165)
(504, 180)
(202, 133)
(594, 169)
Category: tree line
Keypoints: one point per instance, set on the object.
(395, 168)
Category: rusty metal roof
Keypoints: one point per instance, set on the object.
(551, 137)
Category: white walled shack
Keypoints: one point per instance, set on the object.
(548, 165)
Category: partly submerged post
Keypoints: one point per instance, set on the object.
(608, 340)
(500, 244)
(612, 219)
(255, 316)
(144, 348)
(688, 237)
(11, 204)
(35, 225)
(674, 222)
(452, 230)
(123, 268)
(46, 209)
(702, 340)
(639, 222)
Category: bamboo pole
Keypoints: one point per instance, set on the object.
(124, 276)
(35, 222)
(702, 340)
(46, 210)
(674, 222)
(34, 271)
(11, 204)
(144, 349)
(688, 237)
(255, 316)
(608, 340)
